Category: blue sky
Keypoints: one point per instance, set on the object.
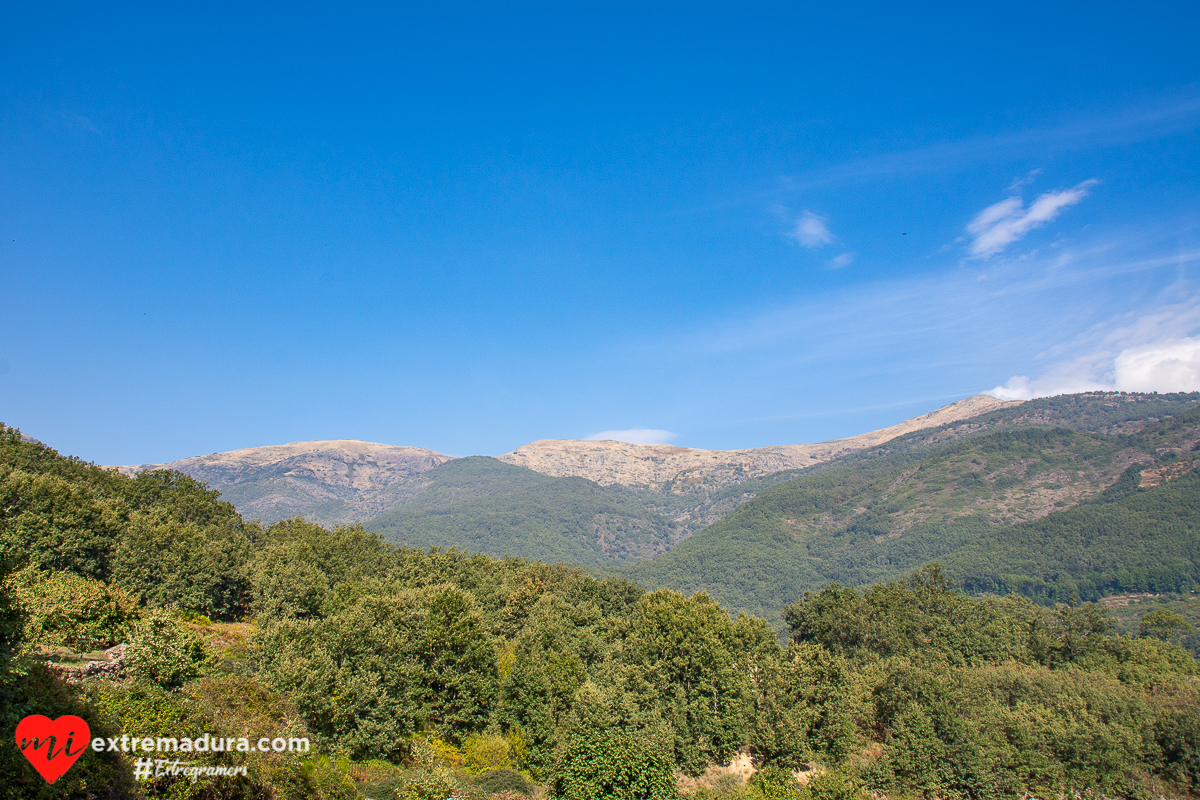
(468, 227)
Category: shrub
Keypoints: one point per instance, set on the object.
(436, 784)
(486, 752)
(777, 781)
(833, 786)
(428, 751)
(504, 780)
(324, 781)
(164, 651)
(613, 764)
(517, 748)
(63, 608)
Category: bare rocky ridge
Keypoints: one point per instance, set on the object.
(682, 470)
(330, 482)
(346, 481)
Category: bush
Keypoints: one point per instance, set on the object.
(436, 784)
(833, 786)
(427, 751)
(486, 752)
(736, 792)
(63, 608)
(164, 651)
(324, 781)
(616, 765)
(504, 780)
(777, 781)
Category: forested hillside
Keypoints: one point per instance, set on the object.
(487, 506)
(1045, 499)
(420, 674)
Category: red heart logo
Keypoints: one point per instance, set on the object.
(52, 745)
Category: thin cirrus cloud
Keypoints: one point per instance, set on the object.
(1001, 224)
(1157, 353)
(812, 231)
(844, 260)
(633, 436)
(1105, 129)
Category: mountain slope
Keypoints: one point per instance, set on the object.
(487, 506)
(680, 469)
(333, 482)
(697, 487)
(1136, 537)
(329, 482)
(874, 515)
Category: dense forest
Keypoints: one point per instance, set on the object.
(485, 505)
(422, 673)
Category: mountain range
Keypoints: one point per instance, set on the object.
(1059, 498)
(347, 481)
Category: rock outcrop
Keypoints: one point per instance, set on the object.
(679, 469)
(330, 482)
(113, 666)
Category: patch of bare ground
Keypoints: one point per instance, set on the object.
(718, 777)
(1123, 461)
(1123, 600)
(1037, 496)
(1165, 474)
(227, 641)
(1058, 490)
(727, 777)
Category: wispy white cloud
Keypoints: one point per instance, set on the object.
(812, 231)
(1027, 179)
(1157, 353)
(1060, 318)
(1001, 224)
(844, 260)
(962, 305)
(1116, 127)
(633, 436)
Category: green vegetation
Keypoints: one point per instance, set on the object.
(65, 609)
(1127, 540)
(425, 673)
(165, 652)
(1050, 512)
(487, 506)
(613, 764)
(1128, 612)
